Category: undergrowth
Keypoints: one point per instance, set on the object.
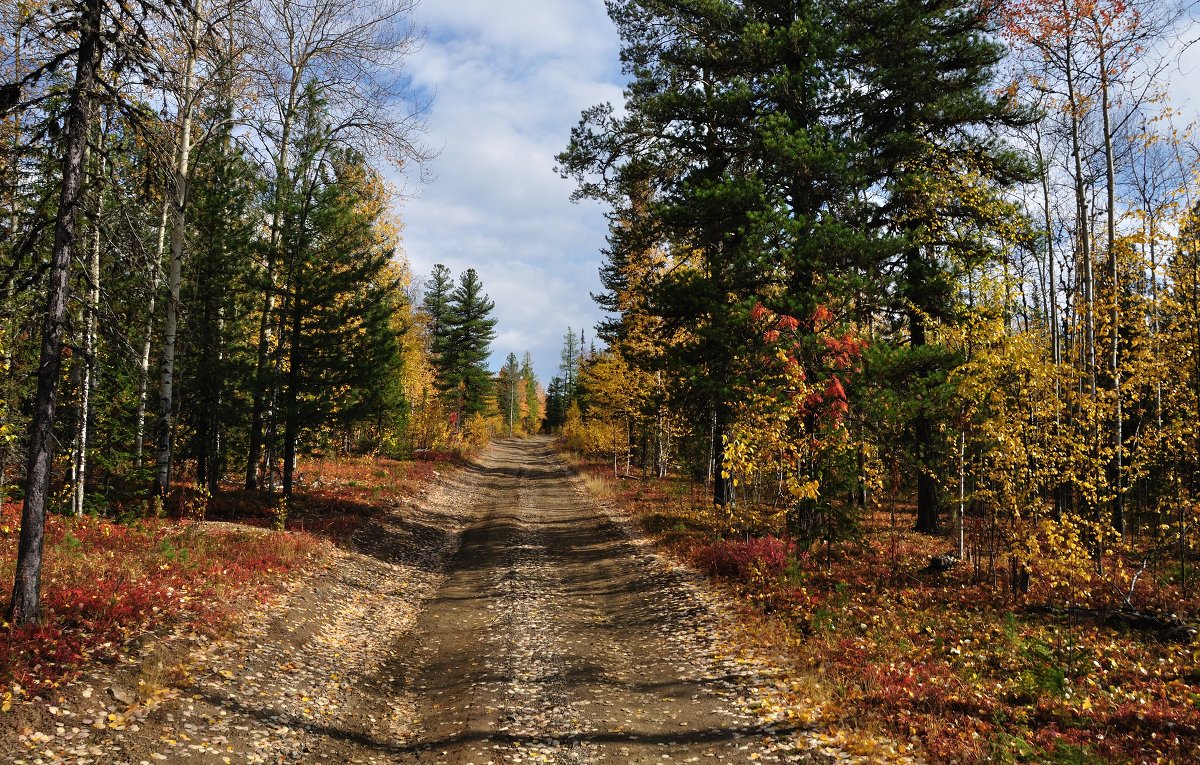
(953, 662)
(108, 583)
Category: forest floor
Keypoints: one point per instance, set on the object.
(503, 616)
(868, 638)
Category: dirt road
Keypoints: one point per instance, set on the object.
(505, 618)
(554, 638)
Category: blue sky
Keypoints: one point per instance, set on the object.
(507, 81)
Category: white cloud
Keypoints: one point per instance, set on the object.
(509, 81)
(524, 29)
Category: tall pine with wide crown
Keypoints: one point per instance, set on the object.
(728, 159)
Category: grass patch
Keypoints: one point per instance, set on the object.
(598, 485)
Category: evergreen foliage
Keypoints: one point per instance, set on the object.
(436, 302)
(461, 330)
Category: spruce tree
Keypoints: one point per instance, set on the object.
(509, 393)
(466, 381)
(556, 404)
(533, 403)
(568, 367)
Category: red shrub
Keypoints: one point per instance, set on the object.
(744, 559)
(786, 599)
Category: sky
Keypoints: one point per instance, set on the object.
(507, 82)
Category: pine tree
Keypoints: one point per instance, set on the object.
(436, 302)
(217, 361)
(727, 154)
(927, 121)
(338, 294)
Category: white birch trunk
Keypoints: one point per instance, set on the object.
(144, 359)
(166, 401)
(90, 350)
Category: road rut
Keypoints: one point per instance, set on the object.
(556, 638)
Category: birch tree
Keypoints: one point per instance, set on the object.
(91, 310)
(180, 176)
(101, 38)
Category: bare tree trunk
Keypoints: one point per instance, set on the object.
(660, 445)
(144, 359)
(6, 362)
(1155, 320)
(166, 401)
(260, 379)
(928, 509)
(1118, 503)
(90, 351)
(628, 444)
(74, 383)
(723, 495)
(9, 338)
(1052, 286)
(262, 371)
(962, 494)
(26, 597)
(1062, 489)
(1083, 245)
(291, 425)
(271, 444)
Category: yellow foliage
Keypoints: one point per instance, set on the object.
(789, 427)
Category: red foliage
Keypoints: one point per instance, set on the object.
(105, 583)
(757, 556)
(947, 661)
(842, 352)
(821, 316)
(835, 396)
